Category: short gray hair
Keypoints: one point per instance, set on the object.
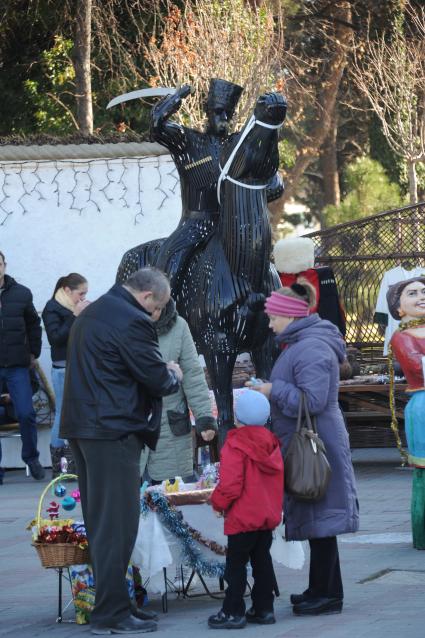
(149, 279)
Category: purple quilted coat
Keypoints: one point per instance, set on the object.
(310, 362)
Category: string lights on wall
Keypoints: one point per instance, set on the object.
(83, 186)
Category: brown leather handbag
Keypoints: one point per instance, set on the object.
(307, 469)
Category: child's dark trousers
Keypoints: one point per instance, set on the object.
(241, 548)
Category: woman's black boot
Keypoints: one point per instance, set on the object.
(56, 454)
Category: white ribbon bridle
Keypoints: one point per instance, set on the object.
(224, 171)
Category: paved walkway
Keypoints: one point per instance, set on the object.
(384, 577)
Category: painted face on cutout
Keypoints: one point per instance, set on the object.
(412, 301)
(278, 324)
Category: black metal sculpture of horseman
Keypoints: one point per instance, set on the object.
(218, 258)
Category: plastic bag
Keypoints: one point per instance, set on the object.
(288, 553)
(151, 551)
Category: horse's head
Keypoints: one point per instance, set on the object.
(271, 108)
(253, 154)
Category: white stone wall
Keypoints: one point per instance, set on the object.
(81, 216)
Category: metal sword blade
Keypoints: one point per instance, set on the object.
(157, 91)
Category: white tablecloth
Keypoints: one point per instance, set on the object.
(157, 548)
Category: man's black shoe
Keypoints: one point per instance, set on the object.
(36, 470)
(130, 625)
(316, 606)
(143, 614)
(226, 621)
(263, 618)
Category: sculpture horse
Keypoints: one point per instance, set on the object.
(222, 290)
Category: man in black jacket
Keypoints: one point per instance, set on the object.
(115, 378)
(20, 345)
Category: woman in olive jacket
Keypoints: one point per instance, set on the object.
(174, 452)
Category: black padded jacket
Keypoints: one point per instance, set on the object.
(115, 375)
(58, 322)
(20, 329)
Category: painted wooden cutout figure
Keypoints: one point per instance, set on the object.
(406, 301)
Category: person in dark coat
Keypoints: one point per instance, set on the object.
(20, 346)
(312, 349)
(68, 300)
(114, 380)
(250, 495)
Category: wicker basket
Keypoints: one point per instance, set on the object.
(61, 554)
(194, 497)
(58, 554)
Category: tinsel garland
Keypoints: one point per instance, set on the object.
(413, 323)
(173, 521)
(212, 545)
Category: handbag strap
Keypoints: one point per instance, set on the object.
(300, 412)
(303, 408)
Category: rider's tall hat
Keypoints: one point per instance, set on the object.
(223, 94)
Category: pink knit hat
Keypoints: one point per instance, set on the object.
(284, 306)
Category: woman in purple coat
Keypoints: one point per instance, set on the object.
(312, 349)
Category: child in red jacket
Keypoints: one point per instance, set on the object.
(250, 495)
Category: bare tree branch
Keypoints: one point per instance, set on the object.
(339, 40)
(56, 99)
(390, 72)
(230, 39)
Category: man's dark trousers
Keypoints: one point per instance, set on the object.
(18, 384)
(241, 548)
(109, 482)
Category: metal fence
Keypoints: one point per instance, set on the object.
(359, 253)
